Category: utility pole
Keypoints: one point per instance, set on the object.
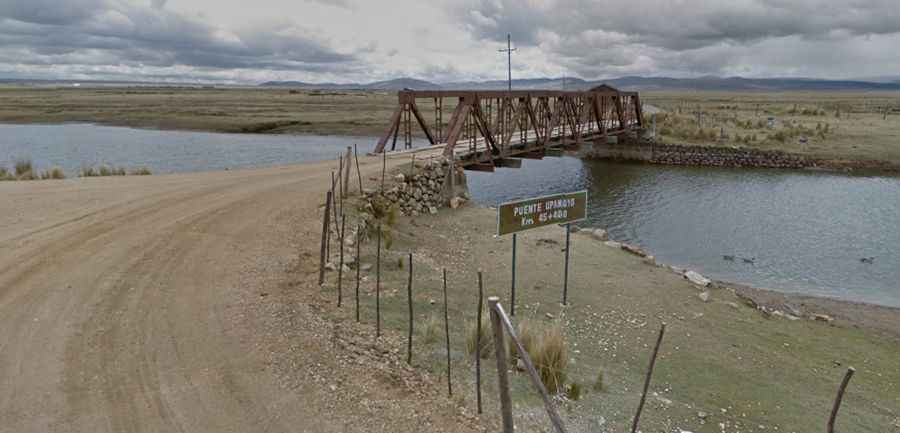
(509, 50)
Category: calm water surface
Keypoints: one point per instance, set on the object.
(72, 146)
(804, 232)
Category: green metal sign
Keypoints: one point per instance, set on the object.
(521, 215)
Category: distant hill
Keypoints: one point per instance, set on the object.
(625, 83)
(391, 85)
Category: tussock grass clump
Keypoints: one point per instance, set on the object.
(599, 383)
(431, 330)
(487, 340)
(573, 391)
(56, 173)
(551, 357)
(23, 168)
(104, 171)
(528, 336)
(5, 174)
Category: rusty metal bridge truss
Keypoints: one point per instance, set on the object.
(487, 128)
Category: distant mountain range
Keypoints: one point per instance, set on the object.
(623, 83)
(558, 83)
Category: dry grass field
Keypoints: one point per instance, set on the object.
(836, 125)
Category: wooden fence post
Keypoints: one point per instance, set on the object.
(447, 335)
(358, 262)
(383, 168)
(358, 173)
(346, 172)
(378, 286)
(839, 398)
(637, 416)
(478, 344)
(500, 354)
(323, 255)
(409, 302)
(341, 262)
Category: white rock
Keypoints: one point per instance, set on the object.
(613, 244)
(697, 279)
(456, 202)
(345, 269)
(400, 177)
(704, 296)
(432, 210)
(600, 235)
(365, 267)
(330, 266)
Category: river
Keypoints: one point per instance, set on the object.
(73, 146)
(799, 231)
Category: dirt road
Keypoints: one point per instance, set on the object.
(128, 304)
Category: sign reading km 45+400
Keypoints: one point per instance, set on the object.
(521, 215)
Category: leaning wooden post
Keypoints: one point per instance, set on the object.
(640, 408)
(409, 302)
(378, 286)
(478, 344)
(324, 252)
(346, 172)
(566, 270)
(358, 173)
(532, 372)
(447, 335)
(839, 398)
(500, 353)
(358, 229)
(341, 262)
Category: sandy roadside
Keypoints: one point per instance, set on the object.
(156, 304)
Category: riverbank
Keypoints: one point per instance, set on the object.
(734, 359)
(652, 152)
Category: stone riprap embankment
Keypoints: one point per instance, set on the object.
(715, 156)
(423, 188)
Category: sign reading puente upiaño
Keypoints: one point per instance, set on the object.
(521, 215)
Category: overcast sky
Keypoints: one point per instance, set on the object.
(251, 41)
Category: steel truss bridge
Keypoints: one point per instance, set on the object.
(488, 129)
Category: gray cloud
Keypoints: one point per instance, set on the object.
(107, 32)
(445, 40)
(697, 36)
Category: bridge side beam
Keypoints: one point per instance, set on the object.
(421, 120)
(454, 128)
(395, 124)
